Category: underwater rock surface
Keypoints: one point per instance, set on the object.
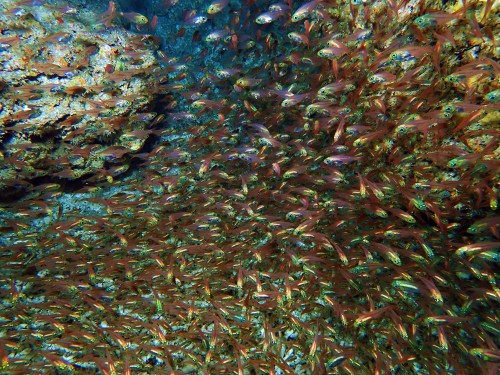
(318, 193)
(74, 94)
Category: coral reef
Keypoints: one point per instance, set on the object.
(322, 199)
(75, 96)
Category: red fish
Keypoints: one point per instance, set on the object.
(109, 15)
(153, 24)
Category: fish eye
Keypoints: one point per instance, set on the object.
(419, 186)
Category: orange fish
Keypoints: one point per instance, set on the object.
(305, 10)
(268, 17)
(217, 6)
(135, 17)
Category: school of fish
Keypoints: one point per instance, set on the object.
(318, 194)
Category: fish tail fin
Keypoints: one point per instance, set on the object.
(487, 9)
(308, 25)
(110, 14)
(462, 12)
